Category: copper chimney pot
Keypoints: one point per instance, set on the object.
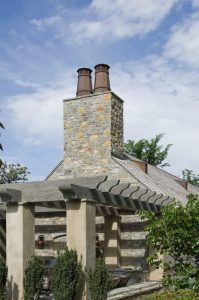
(84, 84)
(102, 83)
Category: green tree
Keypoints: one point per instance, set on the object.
(189, 176)
(99, 283)
(66, 275)
(33, 278)
(3, 277)
(1, 148)
(175, 234)
(13, 173)
(149, 150)
(170, 294)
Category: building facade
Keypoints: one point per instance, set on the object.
(93, 139)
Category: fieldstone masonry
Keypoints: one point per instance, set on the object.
(93, 127)
(93, 131)
(116, 124)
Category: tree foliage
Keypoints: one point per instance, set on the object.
(3, 277)
(149, 150)
(33, 278)
(99, 283)
(1, 148)
(189, 176)
(175, 234)
(13, 173)
(174, 295)
(66, 275)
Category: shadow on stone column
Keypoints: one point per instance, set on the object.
(112, 240)
(12, 288)
(81, 237)
(20, 245)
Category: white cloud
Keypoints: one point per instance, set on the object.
(87, 29)
(42, 24)
(36, 117)
(27, 84)
(121, 18)
(160, 95)
(13, 32)
(160, 98)
(183, 43)
(195, 3)
(112, 19)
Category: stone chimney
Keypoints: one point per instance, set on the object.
(84, 83)
(93, 125)
(102, 82)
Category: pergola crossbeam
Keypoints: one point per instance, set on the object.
(108, 196)
(115, 200)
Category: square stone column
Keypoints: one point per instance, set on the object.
(112, 238)
(20, 229)
(154, 273)
(81, 237)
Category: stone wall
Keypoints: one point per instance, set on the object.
(51, 226)
(132, 244)
(116, 124)
(93, 127)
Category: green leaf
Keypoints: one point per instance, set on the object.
(12, 173)
(99, 282)
(66, 275)
(175, 235)
(33, 277)
(190, 177)
(149, 150)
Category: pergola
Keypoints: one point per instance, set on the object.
(83, 199)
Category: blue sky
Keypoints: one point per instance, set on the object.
(151, 46)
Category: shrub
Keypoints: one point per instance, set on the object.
(33, 278)
(99, 281)
(3, 277)
(66, 275)
(175, 232)
(175, 295)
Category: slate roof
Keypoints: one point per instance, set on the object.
(157, 179)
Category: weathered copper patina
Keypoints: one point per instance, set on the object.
(84, 84)
(102, 82)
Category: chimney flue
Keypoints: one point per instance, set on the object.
(84, 84)
(102, 83)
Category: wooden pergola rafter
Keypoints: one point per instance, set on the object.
(109, 196)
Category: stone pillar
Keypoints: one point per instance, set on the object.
(20, 229)
(154, 273)
(93, 127)
(81, 237)
(112, 238)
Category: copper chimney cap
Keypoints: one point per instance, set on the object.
(102, 83)
(84, 83)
